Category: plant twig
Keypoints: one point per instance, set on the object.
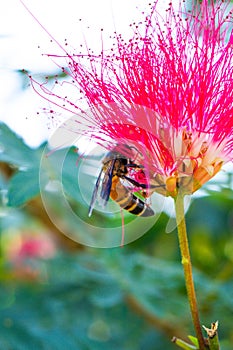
(160, 324)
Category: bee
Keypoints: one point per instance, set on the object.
(110, 183)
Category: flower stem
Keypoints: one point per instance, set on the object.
(187, 266)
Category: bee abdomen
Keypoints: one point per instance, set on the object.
(138, 207)
(128, 201)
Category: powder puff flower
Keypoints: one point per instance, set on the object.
(166, 92)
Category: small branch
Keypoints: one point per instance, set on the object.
(166, 327)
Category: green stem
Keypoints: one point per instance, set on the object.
(187, 266)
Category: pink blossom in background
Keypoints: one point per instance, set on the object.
(167, 92)
(27, 246)
(26, 251)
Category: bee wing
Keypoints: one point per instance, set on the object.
(94, 194)
(107, 182)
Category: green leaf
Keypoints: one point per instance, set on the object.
(144, 279)
(63, 312)
(13, 149)
(23, 186)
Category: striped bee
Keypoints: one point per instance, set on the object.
(111, 184)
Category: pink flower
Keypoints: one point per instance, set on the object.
(26, 246)
(167, 93)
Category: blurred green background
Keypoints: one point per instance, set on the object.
(58, 294)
